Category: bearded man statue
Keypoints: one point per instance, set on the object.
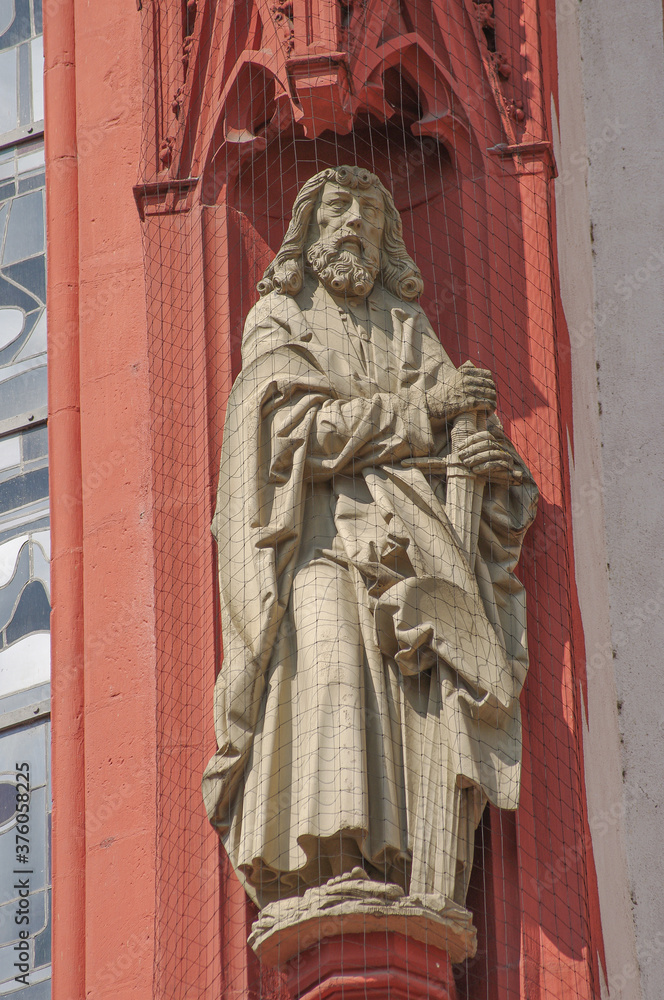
(368, 703)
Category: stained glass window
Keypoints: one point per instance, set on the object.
(21, 68)
(23, 395)
(24, 513)
(27, 744)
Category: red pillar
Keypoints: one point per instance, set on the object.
(104, 717)
(68, 763)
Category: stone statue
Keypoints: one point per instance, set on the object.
(370, 516)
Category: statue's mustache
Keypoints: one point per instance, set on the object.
(336, 244)
(350, 238)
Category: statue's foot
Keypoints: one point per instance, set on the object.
(356, 875)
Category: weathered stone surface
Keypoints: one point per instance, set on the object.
(374, 631)
(354, 904)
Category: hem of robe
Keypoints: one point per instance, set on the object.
(265, 883)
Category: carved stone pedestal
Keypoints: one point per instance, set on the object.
(355, 939)
(371, 967)
(353, 904)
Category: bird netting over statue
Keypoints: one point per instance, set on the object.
(359, 432)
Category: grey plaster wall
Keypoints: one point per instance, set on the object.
(610, 215)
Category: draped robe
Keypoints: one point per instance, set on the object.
(371, 679)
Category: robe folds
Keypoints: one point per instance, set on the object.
(371, 679)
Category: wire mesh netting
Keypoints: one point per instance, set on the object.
(348, 254)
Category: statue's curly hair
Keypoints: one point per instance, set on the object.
(398, 271)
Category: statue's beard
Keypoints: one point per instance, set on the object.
(342, 271)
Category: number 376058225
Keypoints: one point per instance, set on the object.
(22, 812)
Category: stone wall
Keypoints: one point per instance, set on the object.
(611, 257)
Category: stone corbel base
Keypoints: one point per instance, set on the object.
(337, 918)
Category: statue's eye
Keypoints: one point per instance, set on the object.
(337, 205)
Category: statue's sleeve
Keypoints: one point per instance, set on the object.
(343, 431)
(344, 435)
(361, 432)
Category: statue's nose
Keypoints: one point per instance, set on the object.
(354, 220)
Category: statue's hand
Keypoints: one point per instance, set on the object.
(463, 390)
(486, 456)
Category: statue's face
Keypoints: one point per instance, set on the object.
(346, 254)
(355, 217)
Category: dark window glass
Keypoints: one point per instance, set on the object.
(23, 489)
(40, 524)
(31, 274)
(30, 183)
(23, 392)
(33, 613)
(10, 295)
(20, 29)
(7, 801)
(35, 443)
